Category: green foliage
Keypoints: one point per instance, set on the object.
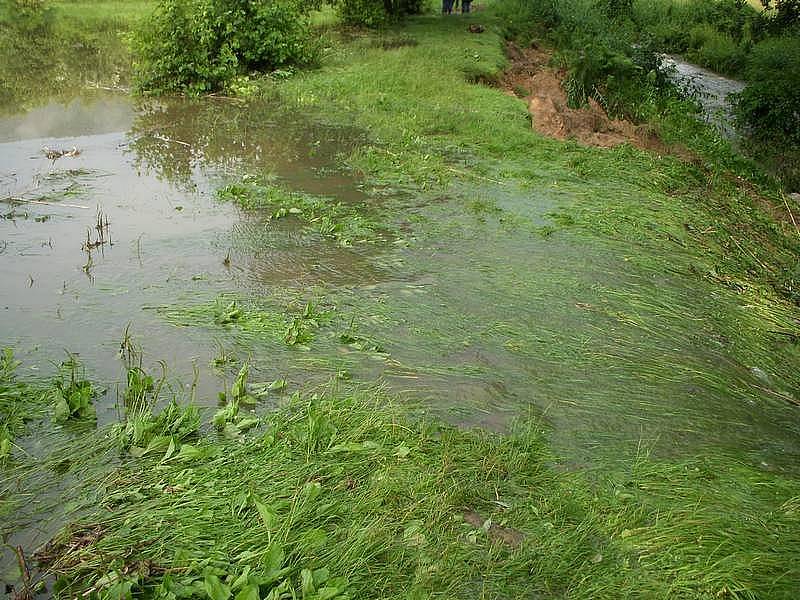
(25, 17)
(786, 16)
(767, 109)
(715, 50)
(12, 397)
(73, 395)
(768, 106)
(345, 497)
(599, 47)
(201, 46)
(375, 13)
(716, 34)
(144, 432)
(346, 224)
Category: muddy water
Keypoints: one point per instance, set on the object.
(151, 172)
(479, 320)
(711, 90)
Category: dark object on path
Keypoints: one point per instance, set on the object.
(476, 29)
(465, 6)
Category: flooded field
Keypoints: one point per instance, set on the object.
(353, 326)
(66, 288)
(451, 306)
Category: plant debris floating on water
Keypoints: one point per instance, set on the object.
(55, 154)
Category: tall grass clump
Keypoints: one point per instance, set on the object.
(716, 34)
(195, 47)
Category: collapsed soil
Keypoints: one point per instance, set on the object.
(529, 76)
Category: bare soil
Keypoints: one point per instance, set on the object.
(530, 77)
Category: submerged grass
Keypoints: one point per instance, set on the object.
(345, 495)
(347, 224)
(20, 403)
(250, 320)
(433, 127)
(341, 495)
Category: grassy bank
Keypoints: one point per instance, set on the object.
(341, 494)
(432, 127)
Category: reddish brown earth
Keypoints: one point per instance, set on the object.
(541, 85)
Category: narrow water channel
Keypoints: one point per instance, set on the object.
(712, 91)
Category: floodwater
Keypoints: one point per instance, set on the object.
(711, 90)
(477, 321)
(469, 313)
(151, 172)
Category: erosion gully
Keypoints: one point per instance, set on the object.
(456, 311)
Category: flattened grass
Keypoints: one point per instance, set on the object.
(344, 496)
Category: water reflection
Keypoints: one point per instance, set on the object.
(173, 140)
(152, 171)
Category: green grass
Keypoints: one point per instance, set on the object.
(344, 496)
(346, 224)
(20, 402)
(348, 493)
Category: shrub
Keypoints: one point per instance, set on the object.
(374, 13)
(785, 17)
(715, 50)
(769, 106)
(198, 46)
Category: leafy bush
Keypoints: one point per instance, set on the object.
(715, 50)
(769, 106)
(198, 46)
(785, 18)
(374, 13)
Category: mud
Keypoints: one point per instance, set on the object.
(529, 76)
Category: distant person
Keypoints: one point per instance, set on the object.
(447, 7)
(465, 5)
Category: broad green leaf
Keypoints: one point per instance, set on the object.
(188, 452)
(239, 388)
(277, 385)
(241, 580)
(273, 559)
(307, 583)
(62, 412)
(215, 589)
(321, 575)
(247, 423)
(268, 514)
(311, 490)
(248, 592)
